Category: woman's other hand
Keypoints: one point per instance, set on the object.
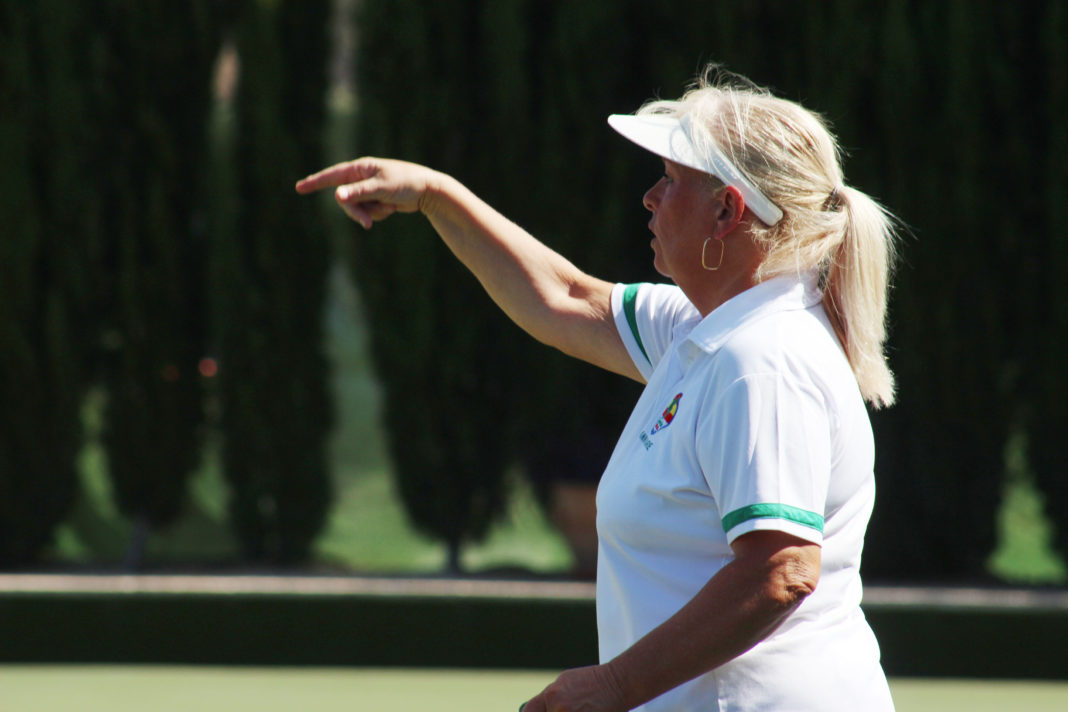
(586, 689)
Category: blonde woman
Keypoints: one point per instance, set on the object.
(732, 513)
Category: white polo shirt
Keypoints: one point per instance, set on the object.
(751, 419)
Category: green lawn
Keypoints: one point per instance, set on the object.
(210, 689)
(911, 695)
(181, 689)
(1023, 554)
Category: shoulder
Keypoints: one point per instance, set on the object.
(797, 349)
(648, 299)
(647, 316)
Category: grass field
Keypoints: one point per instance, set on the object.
(163, 689)
(367, 530)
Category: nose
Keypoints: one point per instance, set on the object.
(652, 197)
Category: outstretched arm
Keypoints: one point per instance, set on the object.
(546, 295)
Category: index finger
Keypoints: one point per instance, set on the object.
(338, 174)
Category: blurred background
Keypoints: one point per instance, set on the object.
(202, 371)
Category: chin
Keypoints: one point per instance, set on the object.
(657, 264)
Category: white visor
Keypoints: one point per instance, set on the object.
(669, 137)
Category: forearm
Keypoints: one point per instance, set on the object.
(738, 607)
(540, 290)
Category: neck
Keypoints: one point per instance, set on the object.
(712, 296)
(707, 290)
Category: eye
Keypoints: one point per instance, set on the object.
(667, 176)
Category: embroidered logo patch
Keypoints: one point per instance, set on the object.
(667, 416)
(665, 420)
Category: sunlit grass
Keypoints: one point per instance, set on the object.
(1024, 553)
(50, 688)
(116, 688)
(368, 531)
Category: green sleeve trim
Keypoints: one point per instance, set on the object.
(630, 294)
(773, 511)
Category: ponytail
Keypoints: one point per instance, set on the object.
(855, 291)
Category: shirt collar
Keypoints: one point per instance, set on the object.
(778, 294)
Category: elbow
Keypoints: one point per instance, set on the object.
(786, 569)
(800, 589)
(794, 580)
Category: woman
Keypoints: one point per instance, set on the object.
(732, 513)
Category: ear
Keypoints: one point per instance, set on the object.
(730, 211)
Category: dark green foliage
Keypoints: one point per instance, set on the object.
(98, 158)
(112, 268)
(106, 257)
(442, 355)
(952, 116)
(965, 129)
(941, 449)
(45, 281)
(268, 265)
(152, 67)
(582, 197)
(1046, 169)
(462, 87)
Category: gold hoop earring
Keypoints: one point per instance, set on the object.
(704, 249)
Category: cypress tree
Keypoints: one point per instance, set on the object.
(581, 194)
(440, 349)
(269, 260)
(45, 270)
(904, 178)
(1048, 380)
(941, 448)
(152, 79)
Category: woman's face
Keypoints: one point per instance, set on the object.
(684, 210)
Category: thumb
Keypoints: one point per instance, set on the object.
(355, 211)
(536, 704)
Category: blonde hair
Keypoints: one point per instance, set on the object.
(789, 153)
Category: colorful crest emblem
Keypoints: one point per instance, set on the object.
(667, 416)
